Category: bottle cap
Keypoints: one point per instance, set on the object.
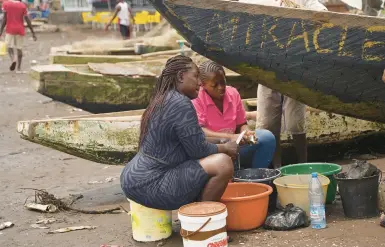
(314, 175)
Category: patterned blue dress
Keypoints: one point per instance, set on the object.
(166, 174)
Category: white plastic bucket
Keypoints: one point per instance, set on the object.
(203, 224)
(150, 224)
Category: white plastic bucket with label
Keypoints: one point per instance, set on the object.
(150, 224)
(203, 224)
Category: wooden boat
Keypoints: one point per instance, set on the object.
(107, 87)
(112, 138)
(110, 51)
(329, 61)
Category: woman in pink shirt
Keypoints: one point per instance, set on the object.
(221, 114)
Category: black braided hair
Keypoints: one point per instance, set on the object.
(208, 67)
(166, 82)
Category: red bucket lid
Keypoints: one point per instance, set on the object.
(201, 209)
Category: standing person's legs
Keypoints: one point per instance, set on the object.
(294, 122)
(10, 41)
(124, 31)
(19, 58)
(259, 155)
(269, 116)
(19, 42)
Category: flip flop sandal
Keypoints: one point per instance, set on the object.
(13, 66)
(229, 239)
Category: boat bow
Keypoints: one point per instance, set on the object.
(330, 61)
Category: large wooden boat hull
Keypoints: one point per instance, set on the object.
(329, 61)
(112, 138)
(106, 90)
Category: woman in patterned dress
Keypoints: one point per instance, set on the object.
(176, 164)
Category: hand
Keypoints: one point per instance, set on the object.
(383, 75)
(232, 149)
(234, 138)
(251, 137)
(106, 27)
(34, 37)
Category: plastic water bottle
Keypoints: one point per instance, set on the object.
(317, 203)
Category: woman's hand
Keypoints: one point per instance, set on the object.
(234, 138)
(231, 149)
(250, 137)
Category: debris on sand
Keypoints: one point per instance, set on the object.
(4, 225)
(46, 221)
(72, 228)
(107, 180)
(107, 245)
(44, 198)
(37, 226)
(49, 208)
(95, 182)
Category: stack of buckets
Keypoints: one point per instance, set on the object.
(359, 196)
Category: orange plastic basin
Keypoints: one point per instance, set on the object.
(247, 205)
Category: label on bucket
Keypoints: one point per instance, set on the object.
(219, 240)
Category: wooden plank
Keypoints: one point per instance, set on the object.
(121, 69)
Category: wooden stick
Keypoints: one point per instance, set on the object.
(170, 52)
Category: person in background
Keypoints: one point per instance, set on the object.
(273, 108)
(221, 114)
(15, 12)
(126, 19)
(176, 164)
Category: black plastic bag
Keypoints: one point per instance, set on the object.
(361, 169)
(291, 217)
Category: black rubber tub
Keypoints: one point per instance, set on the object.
(260, 175)
(359, 196)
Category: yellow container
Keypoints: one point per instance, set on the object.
(295, 189)
(150, 224)
(3, 48)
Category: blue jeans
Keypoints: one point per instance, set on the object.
(258, 155)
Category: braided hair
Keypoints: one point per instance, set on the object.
(209, 67)
(166, 82)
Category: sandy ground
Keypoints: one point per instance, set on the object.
(27, 165)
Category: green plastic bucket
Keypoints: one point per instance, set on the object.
(326, 169)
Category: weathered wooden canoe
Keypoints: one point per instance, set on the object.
(112, 51)
(330, 61)
(113, 137)
(111, 87)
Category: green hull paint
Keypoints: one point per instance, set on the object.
(79, 86)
